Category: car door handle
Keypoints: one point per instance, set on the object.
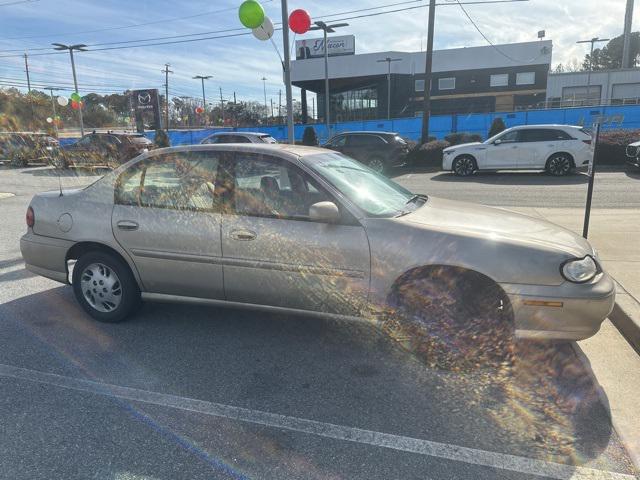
(127, 225)
(243, 235)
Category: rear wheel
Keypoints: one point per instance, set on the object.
(559, 164)
(453, 319)
(105, 287)
(464, 165)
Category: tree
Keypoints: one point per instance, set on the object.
(309, 137)
(610, 56)
(497, 126)
(572, 65)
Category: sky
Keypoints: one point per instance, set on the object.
(239, 63)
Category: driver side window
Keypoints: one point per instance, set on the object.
(510, 137)
(338, 141)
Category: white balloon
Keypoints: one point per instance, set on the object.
(49, 120)
(63, 101)
(265, 31)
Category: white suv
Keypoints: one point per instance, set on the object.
(558, 149)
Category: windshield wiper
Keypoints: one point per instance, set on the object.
(410, 201)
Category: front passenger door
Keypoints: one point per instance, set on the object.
(274, 254)
(503, 153)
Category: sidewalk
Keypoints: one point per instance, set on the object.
(615, 366)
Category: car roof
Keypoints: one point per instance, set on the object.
(545, 125)
(280, 149)
(248, 134)
(365, 132)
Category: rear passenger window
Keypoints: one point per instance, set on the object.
(177, 181)
(544, 135)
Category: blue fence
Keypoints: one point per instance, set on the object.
(611, 117)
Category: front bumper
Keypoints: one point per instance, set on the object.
(564, 312)
(46, 256)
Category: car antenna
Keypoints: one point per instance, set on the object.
(59, 181)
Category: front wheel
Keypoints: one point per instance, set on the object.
(559, 164)
(464, 166)
(104, 287)
(376, 164)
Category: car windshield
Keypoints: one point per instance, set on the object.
(268, 139)
(372, 192)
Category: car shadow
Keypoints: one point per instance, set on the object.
(341, 372)
(633, 172)
(68, 172)
(512, 178)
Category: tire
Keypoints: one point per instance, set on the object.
(19, 162)
(377, 164)
(559, 164)
(464, 165)
(105, 287)
(453, 320)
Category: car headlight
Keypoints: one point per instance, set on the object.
(580, 270)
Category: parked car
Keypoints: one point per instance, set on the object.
(378, 150)
(558, 149)
(238, 137)
(312, 231)
(633, 153)
(105, 149)
(21, 148)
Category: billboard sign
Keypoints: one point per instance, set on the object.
(146, 105)
(314, 48)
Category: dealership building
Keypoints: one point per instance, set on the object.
(465, 80)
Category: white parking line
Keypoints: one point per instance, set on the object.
(396, 442)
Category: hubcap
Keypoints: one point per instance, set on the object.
(464, 166)
(376, 165)
(101, 287)
(559, 165)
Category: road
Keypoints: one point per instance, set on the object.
(199, 393)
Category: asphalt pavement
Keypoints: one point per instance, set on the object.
(194, 392)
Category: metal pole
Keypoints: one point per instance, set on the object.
(264, 88)
(589, 73)
(626, 46)
(287, 72)
(166, 96)
(426, 107)
(222, 106)
(75, 84)
(388, 89)
(26, 67)
(592, 174)
(204, 98)
(53, 105)
(327, 115)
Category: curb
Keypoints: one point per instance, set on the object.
(626, 318)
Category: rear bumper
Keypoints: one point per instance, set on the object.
(46, 256)
(565, 312)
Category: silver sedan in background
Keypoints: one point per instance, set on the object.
(306, 230)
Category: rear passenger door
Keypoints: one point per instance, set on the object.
(166, 216)
(540, 143)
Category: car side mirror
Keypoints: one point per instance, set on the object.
(325, 212)
(497, 142)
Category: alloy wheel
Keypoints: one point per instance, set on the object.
(376, 165)
(464, 166)
(559, 165)
(101, 287)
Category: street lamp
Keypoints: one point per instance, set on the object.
(389, 60)
(264, 87)
(81, 48)
(203, 78)
(592, 42)
(327, 29)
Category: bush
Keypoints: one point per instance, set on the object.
(497, 126)
(428, 154)
(162, 139)
(612, 146)
(309, 137)
(462, 137)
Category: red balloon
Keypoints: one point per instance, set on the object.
(299, 21)
(75, 105)
(199, 109)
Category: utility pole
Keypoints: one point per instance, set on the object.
(166, 95)
(271, 111)
(279, 105)
(26, 68)
(222, 105)
(626, 46)
(389, 60)
(264, 87)
(426, 105)
(81, 48)
(235, 110)
(592, 41)
(286, 67)
(327, 29)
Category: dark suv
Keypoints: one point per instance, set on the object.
(105, 149)
(379, 150)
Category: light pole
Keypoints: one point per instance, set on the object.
(327, 29)
(53, 105)
(203, 78)
(593, 41)
(286, 69)
(264, 87)
(389, 60)
(81, 48)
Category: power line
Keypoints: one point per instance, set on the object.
(17, 2)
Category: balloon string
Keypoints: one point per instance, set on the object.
(277, 51)
(293, 44)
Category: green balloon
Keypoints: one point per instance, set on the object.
(76, 96)
(251, 14)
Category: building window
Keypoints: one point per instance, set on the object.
(625, 93)
(419, 85)
(447, 83)
(499, 80)
(577, 96)
(525, 78)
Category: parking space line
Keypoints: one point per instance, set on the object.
(446, 451)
